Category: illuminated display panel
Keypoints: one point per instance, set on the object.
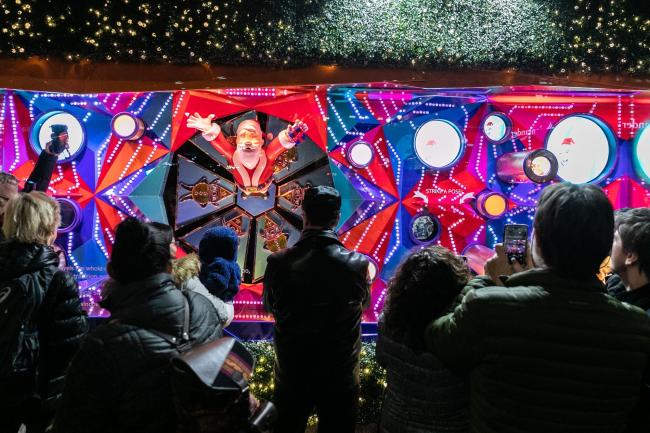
(397, 194)
(438, 144)
(584, 147)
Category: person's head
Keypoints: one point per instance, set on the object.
(631, 246)
(8, 190)
(32, 218)
(219, 241)
(422, 290)
(185, 268)
(321, 207)
(574, 228)
(140, 250)
(169, 233)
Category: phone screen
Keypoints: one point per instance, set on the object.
(515, 238)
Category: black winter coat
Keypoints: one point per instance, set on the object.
(316, 290)
(119, 379)
(59, 320)
(422, 394)
(546, 354)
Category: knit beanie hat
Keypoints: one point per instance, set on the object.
(220, 273)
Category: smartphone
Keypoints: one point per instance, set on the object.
(515, 240)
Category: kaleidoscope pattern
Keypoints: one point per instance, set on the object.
(414, 167)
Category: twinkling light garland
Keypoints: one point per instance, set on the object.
(550, 36)
(372, 376)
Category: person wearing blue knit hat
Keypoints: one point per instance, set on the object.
(220, 273)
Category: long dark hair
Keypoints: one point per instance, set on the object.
(421, 291)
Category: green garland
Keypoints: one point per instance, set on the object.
(551, 36)
(373, 379)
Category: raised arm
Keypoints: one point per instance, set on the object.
(294, 134)
(212, 133)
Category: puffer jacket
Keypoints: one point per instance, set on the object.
(58, 321)
(225, 310)
(119, 379)
(546, 354)
(422, 394)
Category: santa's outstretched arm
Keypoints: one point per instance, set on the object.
(294, 134)
(212, 133)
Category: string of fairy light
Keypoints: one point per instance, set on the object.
(554, 35)
(372, 378)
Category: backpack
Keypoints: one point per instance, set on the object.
(209, 384)
(19, 345)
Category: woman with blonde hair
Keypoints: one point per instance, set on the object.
(185, 272)
(42, 321)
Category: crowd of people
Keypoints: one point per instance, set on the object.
(543, 346)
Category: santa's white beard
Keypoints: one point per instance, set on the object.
(249, 159)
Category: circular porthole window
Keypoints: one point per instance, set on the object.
(438, 144)
(58, 128)
(360, 154)
(373, 268)
(540, 166)
(127, 126)
(491, 204)
(584, 146)
(70, 215)
(424, 228)
(497, 127)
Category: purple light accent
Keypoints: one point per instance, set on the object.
(390, 96)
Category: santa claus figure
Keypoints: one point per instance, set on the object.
(251, 161)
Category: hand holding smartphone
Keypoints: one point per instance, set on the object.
(515, 242)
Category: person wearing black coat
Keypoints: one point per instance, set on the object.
(550, 351)
(119, 380)
(316, 291)
(57, 324)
